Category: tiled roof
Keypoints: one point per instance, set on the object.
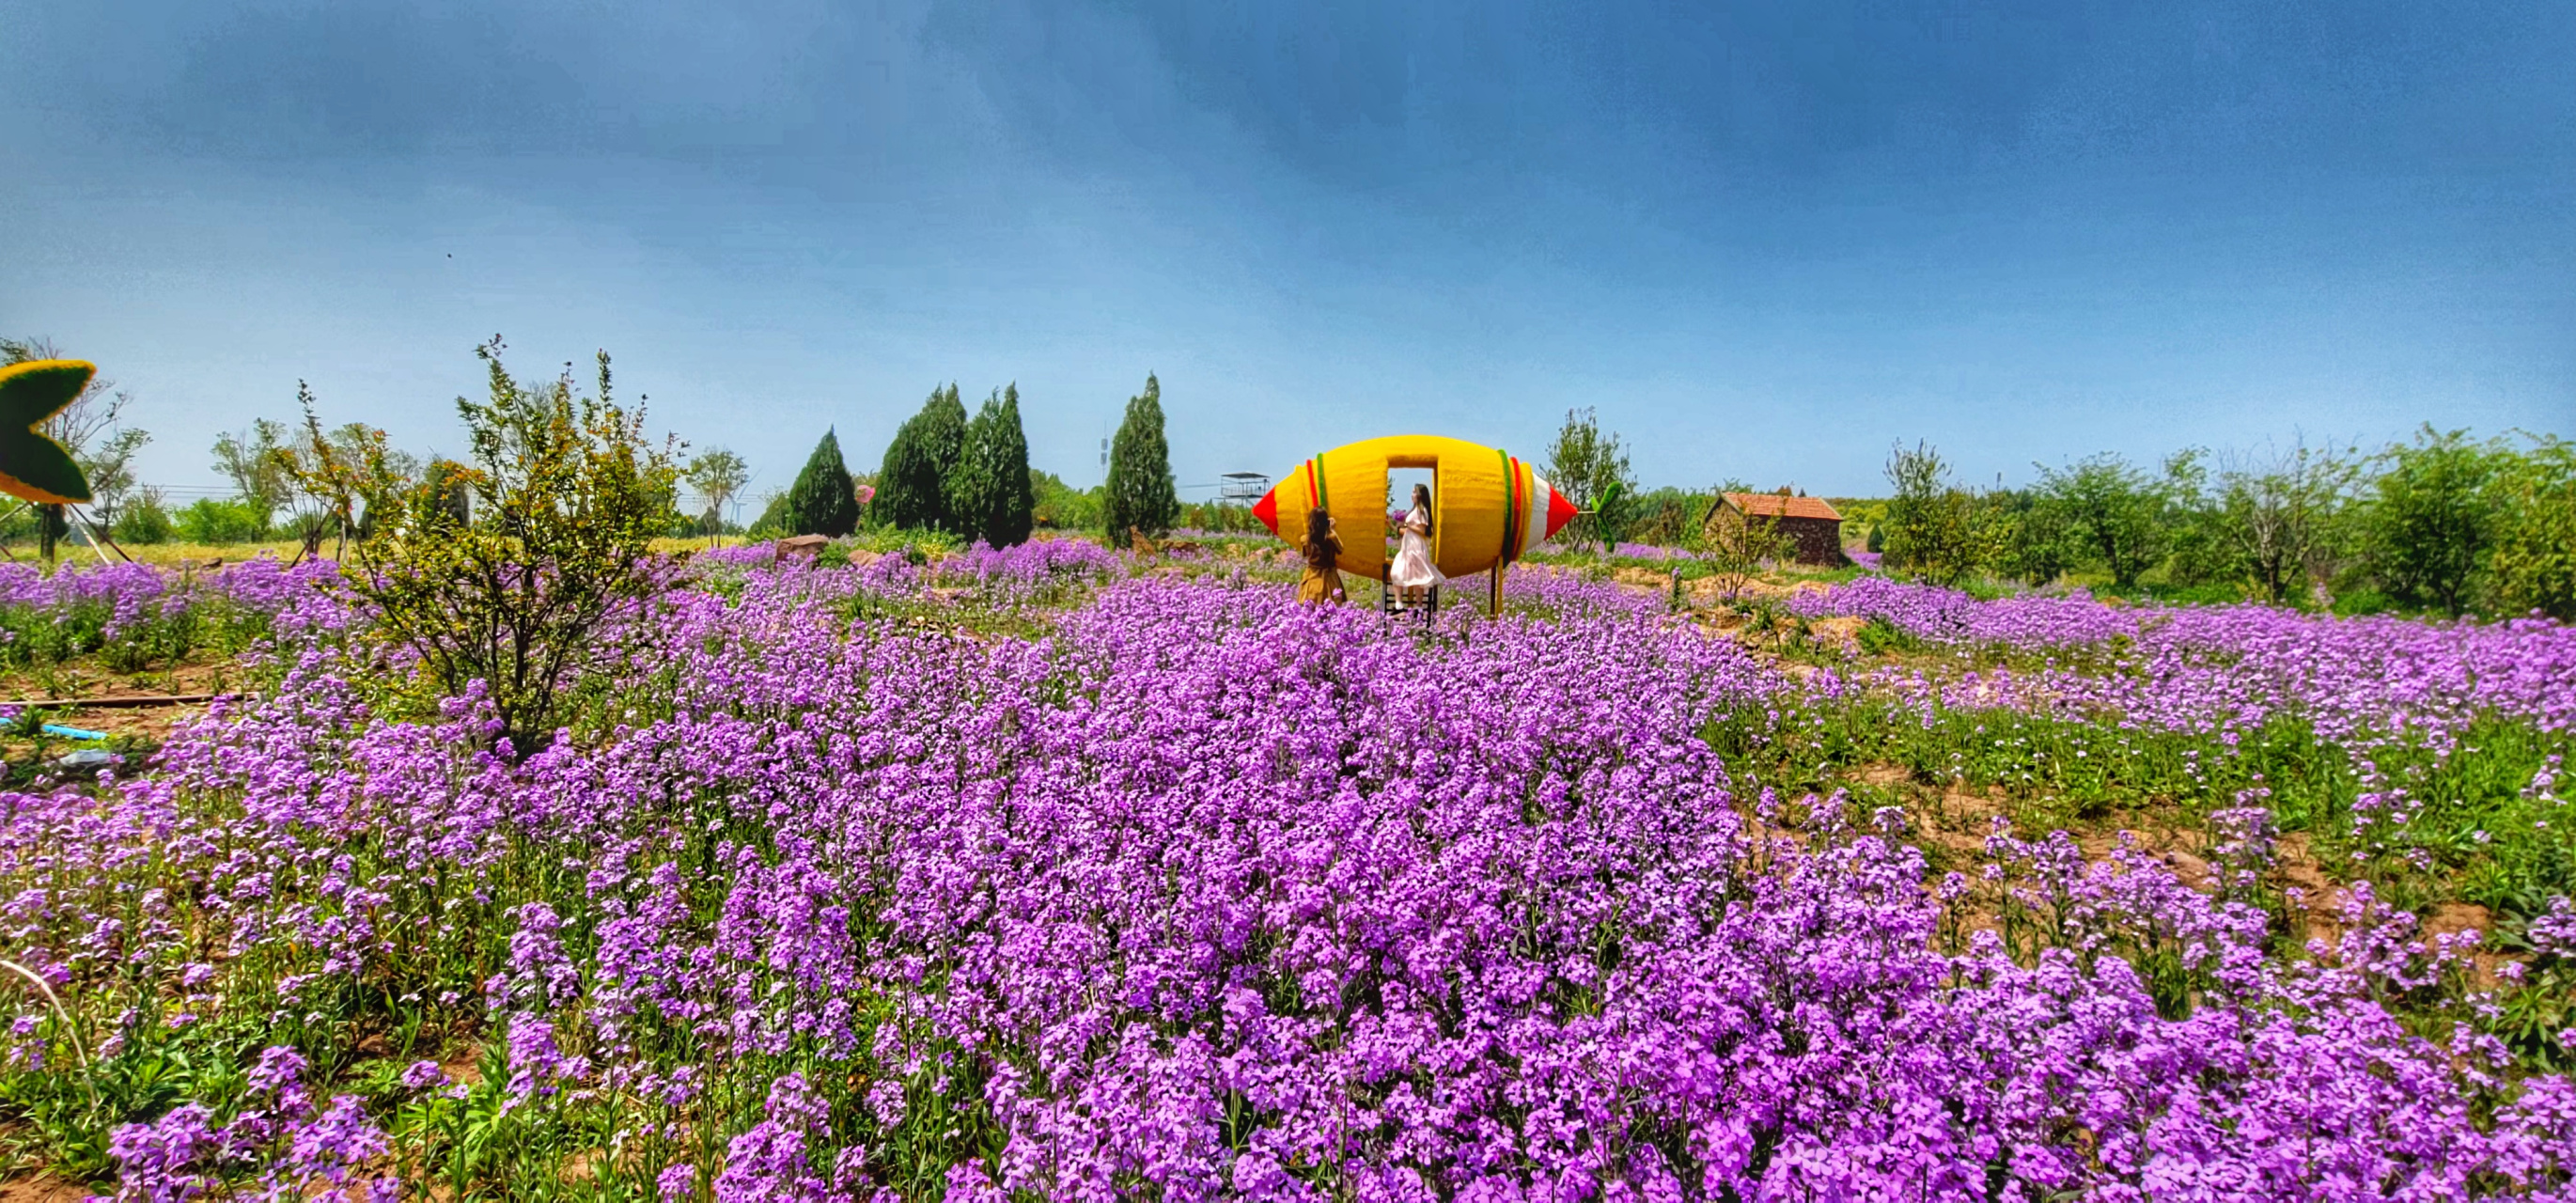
(1773, 505)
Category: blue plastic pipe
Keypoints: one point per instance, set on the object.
(72, 732)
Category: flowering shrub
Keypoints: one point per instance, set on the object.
(1202, 894)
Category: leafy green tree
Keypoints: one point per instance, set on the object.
(2110, 509)
(2043, 545)
(380, 478)
(2532, 565)
(250, 459)
(990, 491)
(217, 522)
(2430, 519)
(912, 483)
(1139, 495)
(1937, 530)
(1060, 506)
(1734, 545)
(1586, 465)
(2282, 516)
(2195, 528)
(145, 520)
(108, 463)
(1668, 516)
(450, 486)
(322, 486)
(715, 475)
(529, 595)
(821, 501)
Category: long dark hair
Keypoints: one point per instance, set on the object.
(1422, 500)
(1319, 539)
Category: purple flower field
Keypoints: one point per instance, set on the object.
(1171, 888)
(134, 615)
(2207, 668)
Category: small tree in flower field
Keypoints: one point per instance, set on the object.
(821, 501)
(527, 589)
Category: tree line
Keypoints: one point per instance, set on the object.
(970, 477)
(943, 471)
(2442, 523)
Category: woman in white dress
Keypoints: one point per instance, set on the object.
(1413, 572)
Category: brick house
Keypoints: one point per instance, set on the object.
(1811, 526)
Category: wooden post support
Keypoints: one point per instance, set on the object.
(1494, 608)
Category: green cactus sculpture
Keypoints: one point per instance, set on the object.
(32, 465)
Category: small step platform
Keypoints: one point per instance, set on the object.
(1387, 604)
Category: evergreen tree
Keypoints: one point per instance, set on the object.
(1140, 493)
(821, 502)
(972, 488)
(994, 498)
(913, 487)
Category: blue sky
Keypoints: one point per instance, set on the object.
(1763, 240)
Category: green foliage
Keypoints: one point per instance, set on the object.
(912, 482)
(1667, 516)
(449, 486)
(109, 465)
(2281, 511)
(1936, 530)
(525, 594)
(1060, 506)
(1585, 465)
(2532, 565)
(331, 477)
(2430, 520)
(1220, 516)
(990, 493)
(821, 502)
(215, 522)
(1881, 637)
(1733, 546)
(145, 521)
(250, 459)
(2112, 512)
(772, 521)
(1139, 495)
(2201, 556)
(1877, 537)
(2043, 545)
(716, 475)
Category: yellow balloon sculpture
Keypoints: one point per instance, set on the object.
(1488, 508)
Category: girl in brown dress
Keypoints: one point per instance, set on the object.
(1323, 580)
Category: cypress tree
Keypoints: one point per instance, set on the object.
(971, 487)
(821, 501)
(994, 500)
(1017, 515)
(1140, 493)
(913, 485)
